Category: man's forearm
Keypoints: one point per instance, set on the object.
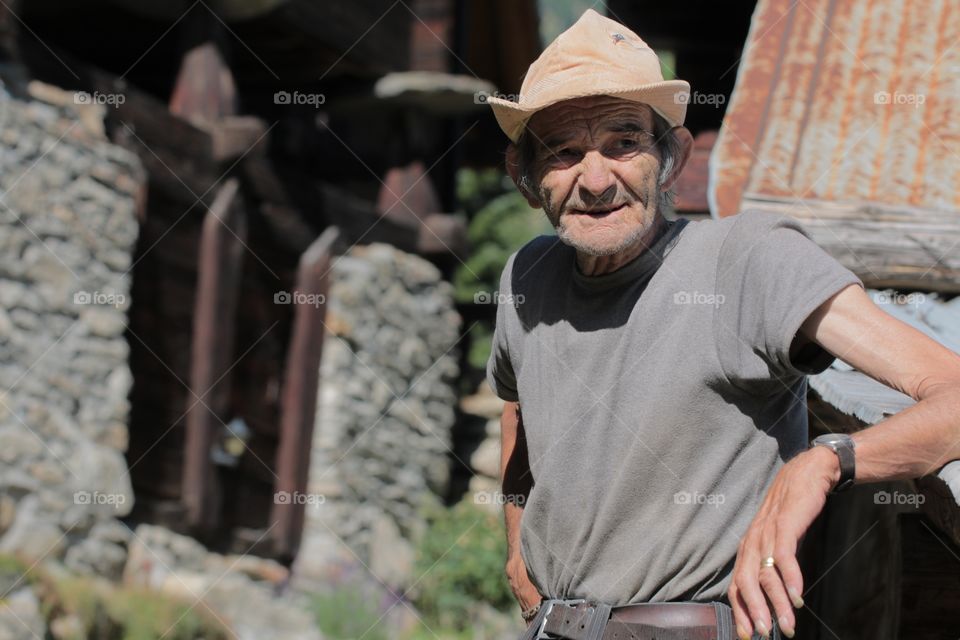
(516, 481)
(913, 443)
(511, 516)
(515, 478)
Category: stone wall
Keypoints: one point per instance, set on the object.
(68, 201)
(381, 450)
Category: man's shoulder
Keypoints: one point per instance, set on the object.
(743, 231)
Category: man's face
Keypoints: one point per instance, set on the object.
(597, 168)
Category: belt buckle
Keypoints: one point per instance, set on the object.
(541, 632)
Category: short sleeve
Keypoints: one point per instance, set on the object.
(772, 276)
(500, 370)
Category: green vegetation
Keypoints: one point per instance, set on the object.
(501, 222)
(346, 613)
(106, 612)
(461, 560)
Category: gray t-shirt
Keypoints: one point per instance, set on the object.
(658, 401)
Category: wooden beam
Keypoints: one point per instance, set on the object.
(220, 258)
(299, 394)
(902, 247)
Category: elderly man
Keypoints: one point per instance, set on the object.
(655, 455)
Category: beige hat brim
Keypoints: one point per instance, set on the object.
(668, 98)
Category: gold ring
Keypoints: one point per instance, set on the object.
(768, 562)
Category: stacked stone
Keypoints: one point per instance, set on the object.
(68, 201)
(224, 587)
(381, 450)
(480, 442)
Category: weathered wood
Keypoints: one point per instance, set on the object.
(929, 584)
(691, 185)
(221, 253)
(407, 194)
(848, 591)
(204, 90)
(238, 136)
(886, 246)
(299, 395)
(442, 234)
(940, 506)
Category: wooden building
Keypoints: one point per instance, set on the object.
(843, 117)
(275, 134)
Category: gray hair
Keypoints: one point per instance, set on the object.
(666, 140)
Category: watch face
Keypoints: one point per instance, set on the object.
(830, 438)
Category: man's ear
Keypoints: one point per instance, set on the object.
(685, 138)
(513, 169)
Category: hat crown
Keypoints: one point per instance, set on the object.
(595, 47)
(594, 57)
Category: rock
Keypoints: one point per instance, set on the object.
(8, 511)
(69, 219)
(20, 616)
(103, 322)
(67, 627)
(34, 534)
(486, 459)
(179, 566)
(391, 556)
(97, 557)
(18, 445)
(381, 447)
(483, 403)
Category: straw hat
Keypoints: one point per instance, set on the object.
(596, 56)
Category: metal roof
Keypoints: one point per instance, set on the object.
(851, 100)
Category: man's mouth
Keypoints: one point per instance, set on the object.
(598, 212)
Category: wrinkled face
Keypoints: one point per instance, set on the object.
(597, 169)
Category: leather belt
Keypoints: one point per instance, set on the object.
(646, 621)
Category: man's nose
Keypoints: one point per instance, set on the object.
(597, 183)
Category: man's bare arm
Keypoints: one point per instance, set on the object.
(913, 443)
(516, 480)
(919, 440)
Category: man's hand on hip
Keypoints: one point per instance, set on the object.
(523, 589)
(795, 498)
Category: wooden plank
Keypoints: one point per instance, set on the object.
(930, 582)
(886, 246)
(299, 394)
(221, 254)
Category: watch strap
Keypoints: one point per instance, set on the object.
(842, 445)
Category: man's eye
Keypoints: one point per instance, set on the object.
(627, 143)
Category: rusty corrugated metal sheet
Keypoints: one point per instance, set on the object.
(843, 109)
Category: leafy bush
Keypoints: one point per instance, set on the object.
(347, 612)
(501, 222)
(460, 561)
(105, 611)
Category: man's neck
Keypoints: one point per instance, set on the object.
(599, 265)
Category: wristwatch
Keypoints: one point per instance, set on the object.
(842, 445)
